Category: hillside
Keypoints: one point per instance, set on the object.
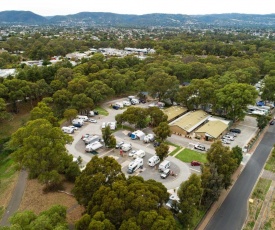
(146, 20)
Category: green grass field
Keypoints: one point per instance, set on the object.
(188, 155)
(102, 111)
(270, 164)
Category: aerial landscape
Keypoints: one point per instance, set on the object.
(137, 115)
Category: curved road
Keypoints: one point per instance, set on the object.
(16, 198)
(232, 213)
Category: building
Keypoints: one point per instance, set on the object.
(187, 123)
(174, 112)
(7, 72)
(211, 130)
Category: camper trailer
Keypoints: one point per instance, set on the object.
(149, 138)
(91, 139)
(135, 165)
(138, 135)
(164, 165)
(77, 122)
(93, 146)
(82, 117)
(153, 161)
(126, 147)
(69, 130)
(139, 154)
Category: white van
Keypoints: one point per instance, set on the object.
(69, 130)
(135, 165)
(164, 165)
(126, 103)
(126, 147)
(78, 122)
(139, 154)
(82, 117)
(154, 160)
(103, 126)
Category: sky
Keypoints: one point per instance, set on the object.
(139, 7)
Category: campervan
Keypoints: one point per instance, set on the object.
(69, 130)
(139, 154)
(135, 165)
(82, 117)
(93, 146)
(91, 114)
(164, 165)
(154, 160)
(77, 122)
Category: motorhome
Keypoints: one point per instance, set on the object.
(126, 103)
(77, 122)
(135, 165)
(119, 104)
(154, 160)
(93, 146)
(134, 101)
(82, 117)
(139, 154)
(164, 165)
(91, 114)
(69, 130)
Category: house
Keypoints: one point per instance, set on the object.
(187, 123)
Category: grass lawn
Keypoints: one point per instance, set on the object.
(102, 111)
(188, 155)
(270, 164)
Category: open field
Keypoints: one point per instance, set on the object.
(188, 155)
(36, 200)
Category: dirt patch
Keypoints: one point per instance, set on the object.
(36, 200)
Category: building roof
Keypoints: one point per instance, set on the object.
(7, 72)
(191, 120)
(174, 111)
(213, 128)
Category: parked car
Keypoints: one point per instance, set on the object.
(195, 163)
(199, 147)
(116, 107)
(156, 144)
(235, 130)
(96, 112)
(73, 127)
(225, 141)
(232, 134)
(132, 153)
(119, 144)
(271, 122)
(227, 137)
(92, 120)
(84, 137)
(165, 173)
(143, 101)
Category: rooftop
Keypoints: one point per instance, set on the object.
(174, 111)
(191, 120)
(213, 128)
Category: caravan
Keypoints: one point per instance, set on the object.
(154, 160)
(139, 154)
(135, 165)
(93, 146)
(91, 139)
(138, 135)
(69, 130)
(82, 117)
(77, 122)
(164, 165)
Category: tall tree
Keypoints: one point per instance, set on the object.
(162, 131)
(162, 151)
(40, 148)
(157, 116)
(98, 172)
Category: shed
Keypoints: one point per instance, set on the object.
(174, 112)
(212, 130)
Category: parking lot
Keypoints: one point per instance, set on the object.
(181, 170)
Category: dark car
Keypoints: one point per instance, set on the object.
(156, 144)
(143, 101)
(95, 112)
(272, 122)
(115, 107)
(235, 130)
(195, 163)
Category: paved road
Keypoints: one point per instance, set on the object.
(232, 213)
(17, 195)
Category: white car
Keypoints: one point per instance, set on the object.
(199, 147)
(225, 141)
(73, 127)
(132, 153)
(92, 120)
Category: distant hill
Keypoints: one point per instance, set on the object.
(25, 17)
(146, 20)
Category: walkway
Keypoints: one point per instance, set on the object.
(16, 198)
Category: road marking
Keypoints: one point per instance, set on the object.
(125, 163)
(115, 157)
(195, 170)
